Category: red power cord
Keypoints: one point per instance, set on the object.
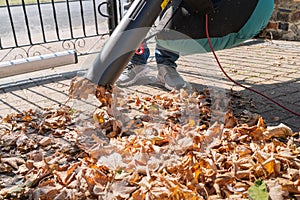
(237, 83)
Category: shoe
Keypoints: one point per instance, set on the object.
(132, 74)
(168, 76)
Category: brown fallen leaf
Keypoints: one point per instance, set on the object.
(81, 88)
(275, 190)
(167, 150)
(13, 161)
(278, 131)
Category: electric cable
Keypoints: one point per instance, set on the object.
(237, 83)
(221, 67)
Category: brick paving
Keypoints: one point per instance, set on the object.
(271, 67)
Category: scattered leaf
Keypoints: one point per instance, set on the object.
(258, 191)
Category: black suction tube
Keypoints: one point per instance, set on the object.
(125, 39)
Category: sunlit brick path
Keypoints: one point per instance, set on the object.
(271, 67)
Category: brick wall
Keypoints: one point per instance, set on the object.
(285, 21)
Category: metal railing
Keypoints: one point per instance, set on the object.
(39, 28)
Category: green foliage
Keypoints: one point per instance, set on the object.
(258, 191)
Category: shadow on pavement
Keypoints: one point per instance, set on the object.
(285, 93)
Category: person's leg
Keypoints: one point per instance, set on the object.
(166, 65)
(141, 56)
(136, 68)
(232, 22)
(165, 57)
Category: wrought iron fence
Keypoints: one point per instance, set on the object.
(37, 28)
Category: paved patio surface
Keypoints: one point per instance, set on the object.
(271, 67)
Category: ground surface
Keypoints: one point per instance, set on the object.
(269, 67)
(159, 144)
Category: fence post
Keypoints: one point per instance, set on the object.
(112, 10)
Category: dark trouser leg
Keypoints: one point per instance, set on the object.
(165, 57)
(141, 59)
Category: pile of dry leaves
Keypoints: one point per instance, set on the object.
(168, 149)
